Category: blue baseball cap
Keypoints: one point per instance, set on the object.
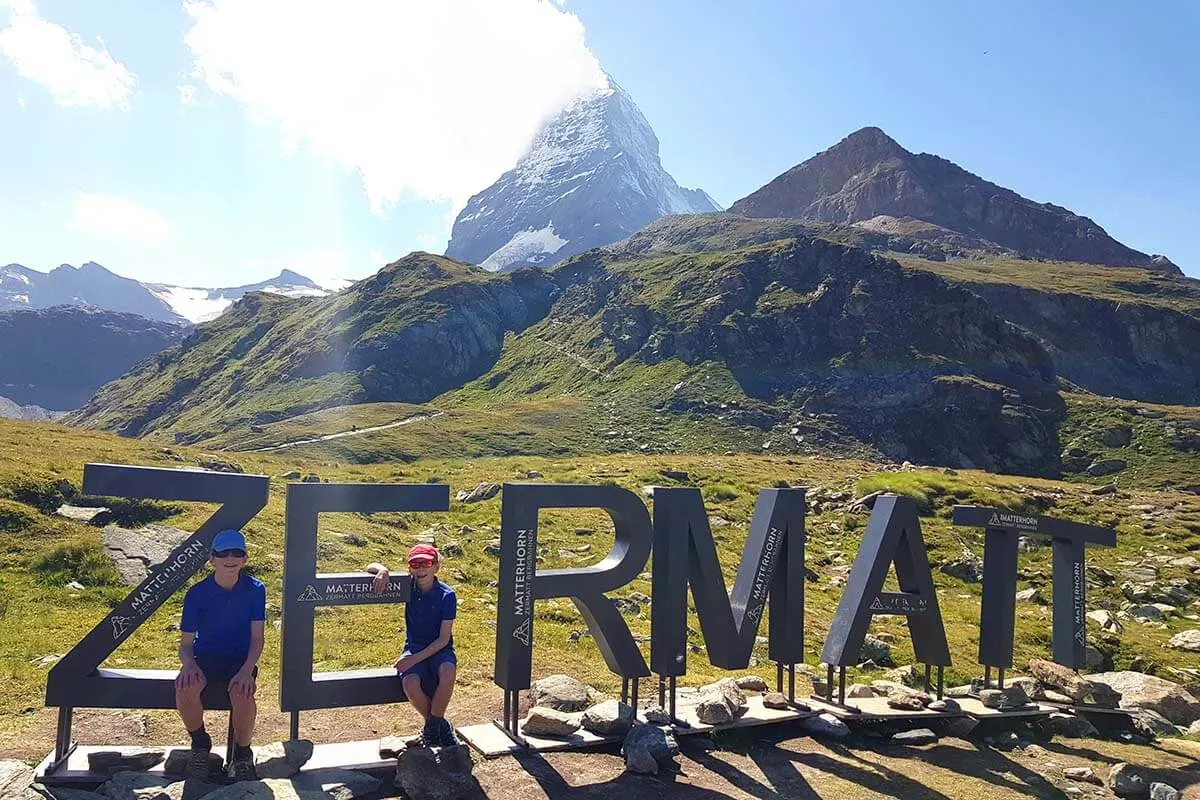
(229, 540)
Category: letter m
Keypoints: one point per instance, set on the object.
(772, 565)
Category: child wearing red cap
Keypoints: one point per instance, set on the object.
(428, 665)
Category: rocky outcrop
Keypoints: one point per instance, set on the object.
(1139, 351)
(868, 175)
(1157, 694)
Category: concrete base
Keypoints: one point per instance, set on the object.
(875, 709)
(978, 710)
(360, 755)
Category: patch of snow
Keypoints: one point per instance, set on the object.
(527, 245)
(194, 305)
(19, 298)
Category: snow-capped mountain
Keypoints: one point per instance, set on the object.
(591, 177)
(93, 285)
(201, 305)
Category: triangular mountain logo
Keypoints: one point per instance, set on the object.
(310, 594)
(521, 634)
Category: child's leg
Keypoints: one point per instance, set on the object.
(445, 687)
(191, 710)
(245, 712)
(416, 696)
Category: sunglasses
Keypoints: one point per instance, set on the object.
(235, 553)
(421, 563)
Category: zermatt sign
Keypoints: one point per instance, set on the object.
(771, 575)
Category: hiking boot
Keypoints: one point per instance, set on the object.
(197, 764)
(243, 769)
(445, 735)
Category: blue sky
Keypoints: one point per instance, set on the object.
(213, 143)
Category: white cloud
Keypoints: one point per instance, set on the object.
(187, 94)
(432, 97)
(75, 73)
(119, 218)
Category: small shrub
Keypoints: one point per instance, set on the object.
(44, 495)
(720, 492)
(15, 516)
(128, 512)
(80, 560)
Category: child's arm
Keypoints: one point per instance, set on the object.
(189, 671)
(410, 661)
(243, 682)
(381, 576)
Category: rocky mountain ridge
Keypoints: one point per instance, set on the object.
(58, 357)
(592, 176)
(869, 179)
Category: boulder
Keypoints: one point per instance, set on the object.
(145, 786)
(1186, 640)
(134, 552)
(646, 746)
(484, 491)
(1163, 791)
(826, 726)
(1084, 774)
(751, 683)
(1153, 723)
(858, 691)
(776, 700)
(967, 568)
(1079, 689)
(875, 649)
(176, 763)
(127, 759)
(1157, 694)
(908, 701)
(546, 721)
(1125, 781)
(561, 693)
(423, 774)
(914, 737)
(1032, 595)
(1010, 697)
(1071, 726)
(610, 718)
(282, 759)
(657, 715)
(720, 702)
(16, 778)
(908, 675)
(1105, 466)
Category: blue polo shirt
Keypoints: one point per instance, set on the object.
(221, 618)
(423, 615)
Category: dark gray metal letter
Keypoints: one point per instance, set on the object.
(76, 680)
(1002, 527)
(772, 564)
(893, 534)
(303, 590)
(521, 583)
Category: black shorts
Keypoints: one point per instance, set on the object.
(221, 667)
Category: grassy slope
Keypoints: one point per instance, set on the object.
(41, 619)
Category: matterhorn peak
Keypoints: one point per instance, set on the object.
(592, 176)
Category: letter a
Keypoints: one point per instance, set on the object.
(893, 535)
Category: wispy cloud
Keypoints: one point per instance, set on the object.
(75, 73)
(119, 218)
(432, 97)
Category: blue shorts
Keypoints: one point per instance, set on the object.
(220, 666)
(427, 670)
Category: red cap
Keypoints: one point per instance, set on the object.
(423, 551)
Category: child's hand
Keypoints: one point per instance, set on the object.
(242, 684)
(404, 662)
(190, 675)
(380, 582)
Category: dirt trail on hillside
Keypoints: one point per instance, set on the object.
(343, 434)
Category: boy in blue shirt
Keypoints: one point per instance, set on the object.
(221, 639)
(428, 665)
